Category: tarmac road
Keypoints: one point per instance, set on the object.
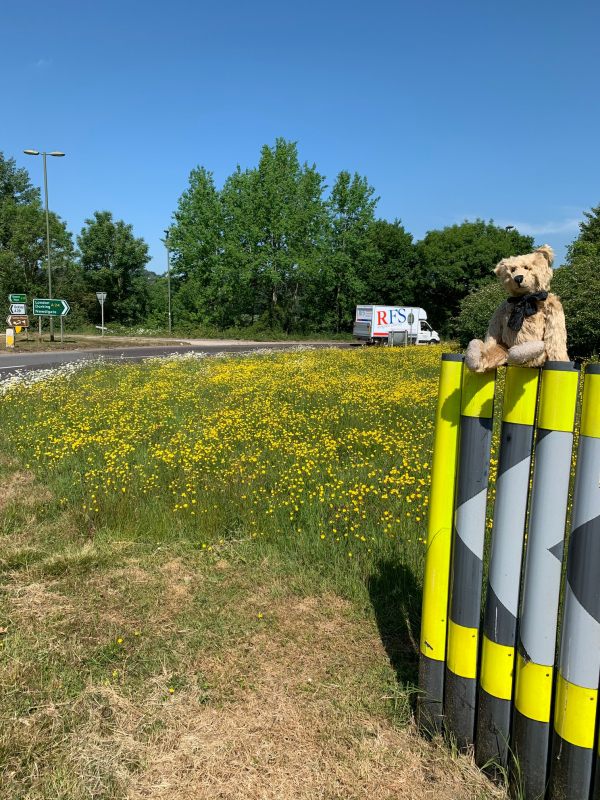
(12, 363)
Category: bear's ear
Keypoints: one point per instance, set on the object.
(500, 268)
(546, 251)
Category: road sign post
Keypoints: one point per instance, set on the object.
(101, 298)
(17, 298)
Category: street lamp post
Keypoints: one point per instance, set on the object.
(57, 154)
(168, 279)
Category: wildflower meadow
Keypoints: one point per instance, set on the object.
(210, 573)
(313, 446)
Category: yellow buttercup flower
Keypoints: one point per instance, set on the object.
(333, 445)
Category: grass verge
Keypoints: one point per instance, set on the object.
(258, 643)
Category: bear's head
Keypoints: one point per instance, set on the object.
(525, 274)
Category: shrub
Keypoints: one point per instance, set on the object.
(476, 310)
(578, 286)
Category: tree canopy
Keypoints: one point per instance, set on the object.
(275, 248)
(454, 261)
(15, 184)
(389, 276)
(589, 228)
(23, 261)
(113, 261)
(578, 285)
(476, 311)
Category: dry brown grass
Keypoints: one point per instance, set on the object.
(276, 696)
(299, 728)
(16, 487)
(37, 600)
(291, 712)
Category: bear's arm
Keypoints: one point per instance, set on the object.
(491, 353)
(555, 336)
(494, 331)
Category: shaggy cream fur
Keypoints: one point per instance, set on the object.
(542, 337)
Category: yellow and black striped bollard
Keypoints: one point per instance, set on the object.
(541, 586)
(504, 580)
(576, 698)
(596, 792)
(467, 555)
(439, 538)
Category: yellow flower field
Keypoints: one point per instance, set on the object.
(329, 445)
(211, 575)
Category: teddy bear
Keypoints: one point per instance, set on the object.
(528, 328)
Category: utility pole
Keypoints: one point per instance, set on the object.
(49, 267)
(168, 279)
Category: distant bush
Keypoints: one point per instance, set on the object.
(476, 310)
(578, 286)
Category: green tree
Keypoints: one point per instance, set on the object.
(157, 314)
(249, 251)
(114, 261)
(476, 310)
(239, 278)
(23, 249)
(274, 227)
(289, 217)
(15, 184)
(351, 251)
(456, 260)
(578, 285)
(196, 243)
(590, 228)
(388, 280)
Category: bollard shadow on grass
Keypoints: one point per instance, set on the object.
(396, 600)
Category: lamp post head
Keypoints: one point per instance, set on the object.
(37, 152)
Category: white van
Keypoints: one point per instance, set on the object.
(380, 323)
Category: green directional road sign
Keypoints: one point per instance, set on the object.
(50, 307)
(17, 298)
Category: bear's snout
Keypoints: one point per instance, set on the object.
(518, 279)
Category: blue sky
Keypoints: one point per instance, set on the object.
(452, 110)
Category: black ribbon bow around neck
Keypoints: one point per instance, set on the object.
(524, 306)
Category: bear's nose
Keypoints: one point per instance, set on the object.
(518, 279)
